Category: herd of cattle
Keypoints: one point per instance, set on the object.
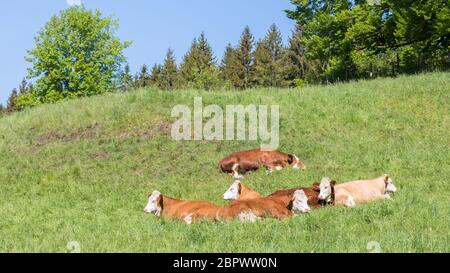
(248, 205)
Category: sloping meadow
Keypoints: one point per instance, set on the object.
(80, 171)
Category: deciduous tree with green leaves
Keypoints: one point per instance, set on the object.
(364, 38)
(77, 54)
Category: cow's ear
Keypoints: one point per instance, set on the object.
(290, 159)
(333, 183)
(159, 201)
(316, 186)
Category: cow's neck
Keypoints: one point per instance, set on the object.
(167, 202)
(247, 193)
(333, 196)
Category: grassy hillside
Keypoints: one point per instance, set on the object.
(81, 170)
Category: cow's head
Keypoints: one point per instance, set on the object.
(154, 204)
(295, 163)
(299, 203)
(390, 187)
(327, 189)
(234, 191)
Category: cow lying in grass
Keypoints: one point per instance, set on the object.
(356, 192)
(280, 206)
(239, 191)
(242, 162)
(246, 210)
(167, 207)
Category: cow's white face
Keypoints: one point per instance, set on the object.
(233, 191)
(390, 188)
(326, 189)
(300, 203)
(153, 205)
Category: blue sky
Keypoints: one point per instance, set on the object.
(152, 25)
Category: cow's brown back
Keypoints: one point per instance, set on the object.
(251, 160)
(273, 206)
(311, 193)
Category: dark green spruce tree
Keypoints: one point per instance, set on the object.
(198, 69)
(155, 75)
(143, 78)
(169, 72)
(126, 79)
(11, 105)
(229, 68)
(295, 64)
(268, 59)
(244, 54)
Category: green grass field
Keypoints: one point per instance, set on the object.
(81, 170)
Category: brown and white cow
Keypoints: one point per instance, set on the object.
(356, 192)
(167, 207)
(271, 206)
(239, 191)
(245, 161)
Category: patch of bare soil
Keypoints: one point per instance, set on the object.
(162, 128)
(79, 134)
(100, 155)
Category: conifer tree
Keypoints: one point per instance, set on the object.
(168, 74)
(229, 67)
(127, 79)
(142, 79)
(245, 58)
(188, 63)
(262, 66)
(155, 74)
(268, 59)
(11, 104)
(198, 69)
(295, 62)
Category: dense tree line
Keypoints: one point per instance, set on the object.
(77, 53)
(334, 40)
(263, 63)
